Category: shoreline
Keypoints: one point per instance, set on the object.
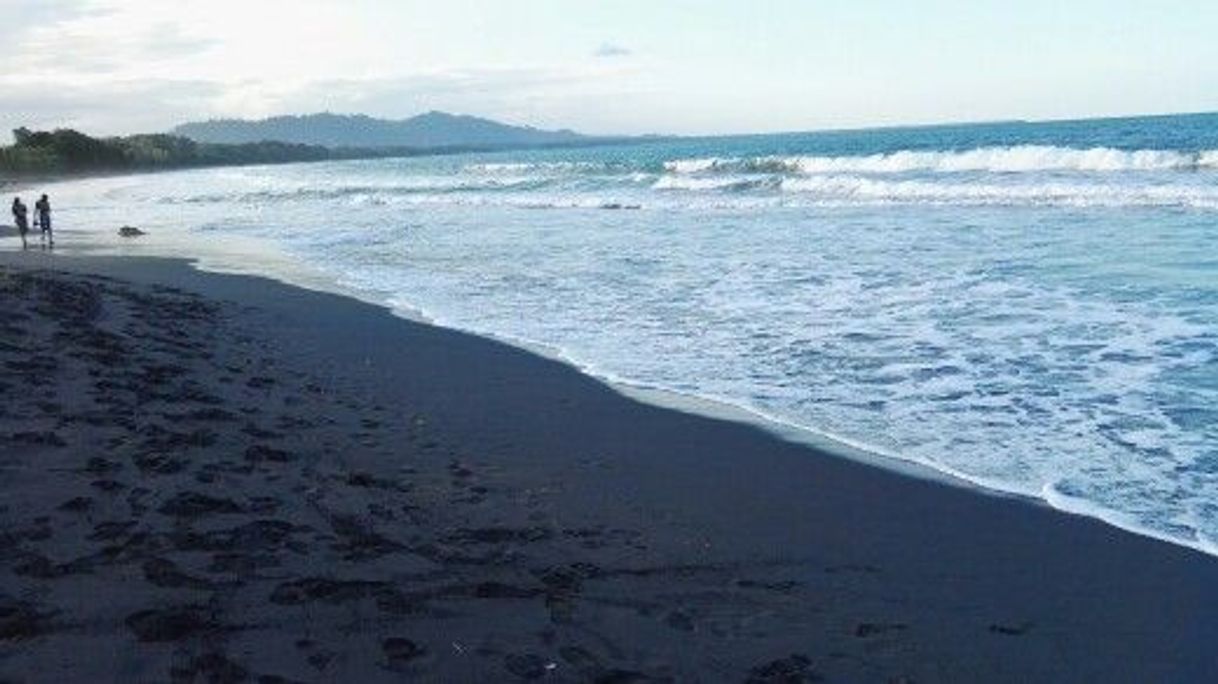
(19, 181)
(492, 513)
(300, 276)
(308, 278)
(721, 408)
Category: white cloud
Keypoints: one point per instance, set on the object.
(18, 16)
(121, 66)
(116, 108)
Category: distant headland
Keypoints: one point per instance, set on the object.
(281, 139)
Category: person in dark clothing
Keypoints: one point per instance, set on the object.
(21, 218)
(42, 216)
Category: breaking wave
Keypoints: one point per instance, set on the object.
(873, 190)
(919, 310)
(531, 167)
(1015, 159)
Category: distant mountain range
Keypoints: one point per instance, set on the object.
(434, 130)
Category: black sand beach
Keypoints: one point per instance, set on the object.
(221, 478)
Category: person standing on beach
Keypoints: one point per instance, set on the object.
(42, 215)
(21, 218)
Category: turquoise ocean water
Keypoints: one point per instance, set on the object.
(1029, 306)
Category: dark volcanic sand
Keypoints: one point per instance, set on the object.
(220, 478)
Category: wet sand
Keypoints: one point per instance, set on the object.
(221, 478)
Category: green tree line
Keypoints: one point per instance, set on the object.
(65, 151)
(69, 151)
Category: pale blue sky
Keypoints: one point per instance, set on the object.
(628, 66)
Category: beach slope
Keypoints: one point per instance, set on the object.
(221, 478)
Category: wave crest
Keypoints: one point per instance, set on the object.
(1013, 159)
(495, 168)
(869, 189)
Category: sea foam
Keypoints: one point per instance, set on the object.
(1013, 159)
(1036, 318)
